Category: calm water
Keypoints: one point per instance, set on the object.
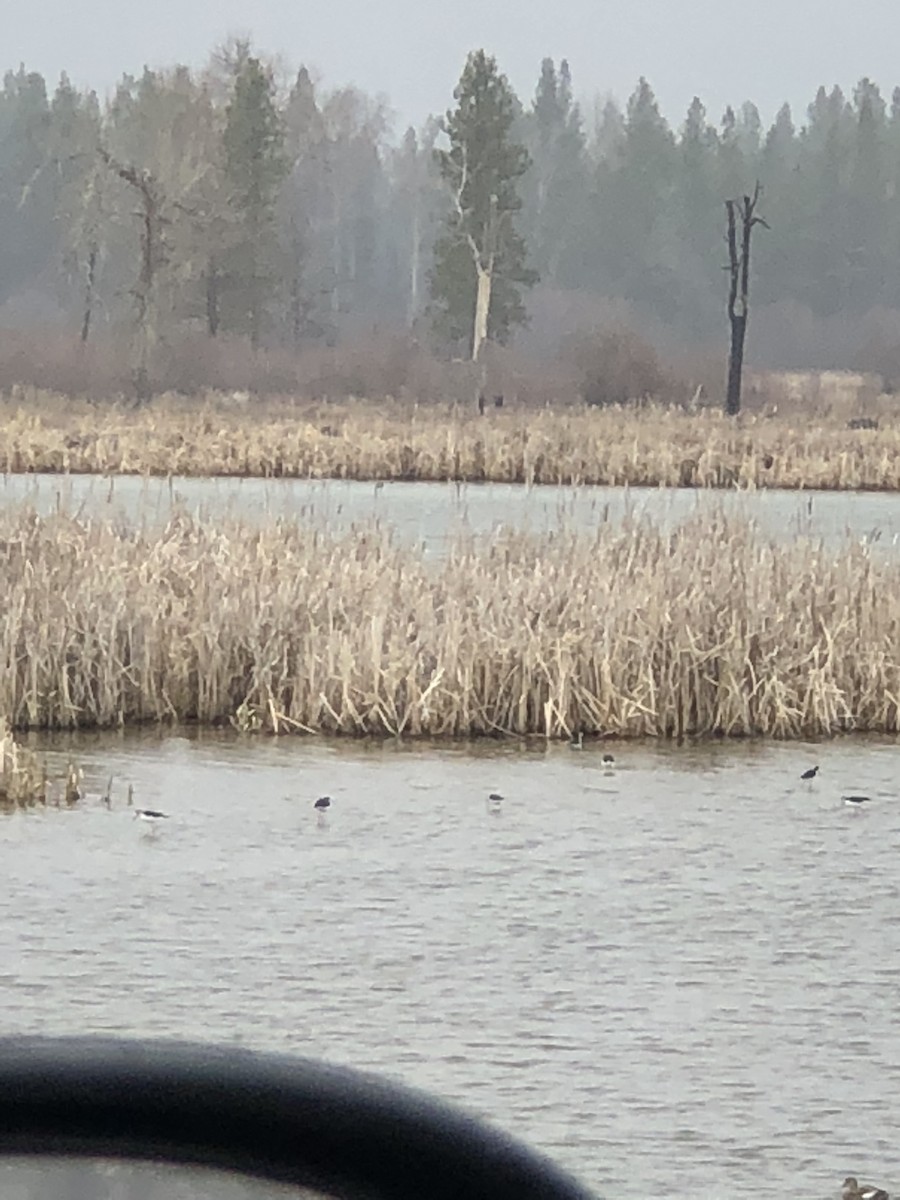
(430, 513)
(679, 976)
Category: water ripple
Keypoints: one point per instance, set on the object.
(682, 982)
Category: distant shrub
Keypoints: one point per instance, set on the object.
(616, 366)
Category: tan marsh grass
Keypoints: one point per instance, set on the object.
(23, 779)
(649, 445)
(629, 631)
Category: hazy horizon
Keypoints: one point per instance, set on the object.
(413, 59)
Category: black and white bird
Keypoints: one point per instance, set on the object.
(577, 740)
(321, 806)
(494, 802)
(152, 818)
(810, 774)
(608, 760)
(862, 1191)
(856, 801)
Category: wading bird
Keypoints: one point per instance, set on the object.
(151, 817)
(494, 802)
(608, 760)
(577, 742)
(810, 774)
(856, 801)
(322, 805)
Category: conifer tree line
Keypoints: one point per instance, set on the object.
(231, 202)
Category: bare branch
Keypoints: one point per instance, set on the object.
(462, 212)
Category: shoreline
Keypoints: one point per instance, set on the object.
(461, 481)
(647, 446)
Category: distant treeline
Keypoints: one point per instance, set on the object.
(231, 202)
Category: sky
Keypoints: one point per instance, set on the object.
(412, 52)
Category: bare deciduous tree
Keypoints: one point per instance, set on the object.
(152, 258)
(741, 211)
(484, 255)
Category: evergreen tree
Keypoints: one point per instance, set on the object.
(867, 282)
(354, 198)
(80, 190)
(777, 254)
(819, 189)
(699, 206)
(26, 187)
(892, 200)
(635, 213)
(554, 187)
(608, 136)
(480, 260)
(416, 196)
(300, 210)
(732, 170)
(750, 136)
(254, 169)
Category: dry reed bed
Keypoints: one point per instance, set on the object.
(626, 631)
(24, 781)
(638, 446)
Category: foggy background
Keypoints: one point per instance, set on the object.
(775, 51)
(652, 117)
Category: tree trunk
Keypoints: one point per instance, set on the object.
(152, 258)
(90, 278)
(145, 297)
(482, 308)
(337, 257)
(296, 312)
(144, 339)
(255, 322)
(414, 267)
(255, 292)
(736, 363)
(739, 289)
(212, 298)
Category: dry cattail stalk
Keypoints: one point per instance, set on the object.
(72, 792)
(23, 778)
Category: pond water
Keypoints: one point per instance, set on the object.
(677, 975)
(431, 513)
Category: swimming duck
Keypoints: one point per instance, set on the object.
(865, 1191)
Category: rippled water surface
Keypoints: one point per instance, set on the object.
(676, 976)
(430, 513)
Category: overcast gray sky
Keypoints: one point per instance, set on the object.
(412, 51)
